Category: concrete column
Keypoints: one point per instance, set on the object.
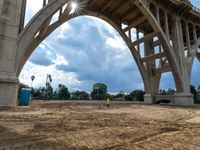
(44, 3)
(138, 37)
(154, 79)
(195, 34)
(158, 15)
(184, 99)
(22, 17)
(166, 26)
(183, 95)
(188, 39)
(10, 13)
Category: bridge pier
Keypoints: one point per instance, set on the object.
(152, 90)
(184, 99)
(8, 90)
(183, 95)
(10, 12)
(149, 99)
(180, 99)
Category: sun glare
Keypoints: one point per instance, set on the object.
(73, 7)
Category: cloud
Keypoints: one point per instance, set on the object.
(40, 72)
(87, 49)
(42, 56)
(65, 68)
(96, 57)
(39, 59)
(83, 51)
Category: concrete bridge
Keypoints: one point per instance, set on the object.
(169, 31)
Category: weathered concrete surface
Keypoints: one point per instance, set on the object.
(184, 99)
(8, 90)
(10, 12)
(149, 99)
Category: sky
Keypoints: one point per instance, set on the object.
(84, 51)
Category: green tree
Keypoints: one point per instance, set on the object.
(38, 93)
(137, 95)
(49, 91)
(197, 101)
(84, 95)
(129, 97)
(80, 95)
(109, 96)
(99, 91)
(55, 95)
(171, 91)
(74, 95)
(120, 96)
(193, 91)
(162, 92)
(140, 95)
(63, 92)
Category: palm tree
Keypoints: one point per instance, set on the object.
(32, 79)
(48, 79)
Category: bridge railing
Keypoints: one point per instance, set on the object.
(194, 8)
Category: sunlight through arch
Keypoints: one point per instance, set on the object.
(70, 47)
(195, 73)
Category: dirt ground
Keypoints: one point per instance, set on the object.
(82, 125)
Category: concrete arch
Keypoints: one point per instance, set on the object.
(152, 7)
(55, 25)
(194, 48)
(192, 58)
(195, 54)
(27, 41)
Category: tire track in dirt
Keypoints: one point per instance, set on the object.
(65, 126)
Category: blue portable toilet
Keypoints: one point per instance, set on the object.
(24, 96)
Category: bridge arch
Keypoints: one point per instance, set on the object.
(195, 38)
(144, 22)
(196, 54)
(152, 8)
(163, 43)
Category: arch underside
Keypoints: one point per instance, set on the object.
(180, 23)
(125, 16)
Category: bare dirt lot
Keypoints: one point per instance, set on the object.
(82, 125)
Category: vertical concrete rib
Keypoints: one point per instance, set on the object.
(22, 17)
(167, 26)
(188, 39)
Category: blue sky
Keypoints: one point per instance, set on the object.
(84, 51)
